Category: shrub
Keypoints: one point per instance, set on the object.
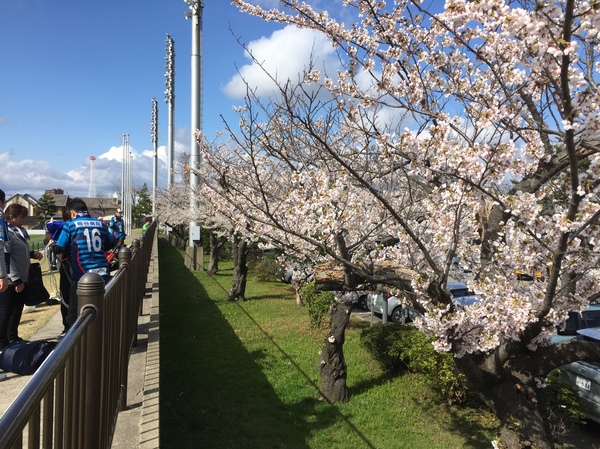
(318, 304)
(562, 405)
(267, 270)
(266, 265)
(399, 348)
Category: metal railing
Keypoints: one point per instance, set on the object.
(73, 399)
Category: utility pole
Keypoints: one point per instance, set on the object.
(195, 14)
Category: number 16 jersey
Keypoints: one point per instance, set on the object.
(85, 240)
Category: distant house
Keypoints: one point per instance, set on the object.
(97, 207)
(29, 202)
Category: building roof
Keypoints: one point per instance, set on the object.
(60, 200)
(27, 198)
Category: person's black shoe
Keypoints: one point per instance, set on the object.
(52, 302)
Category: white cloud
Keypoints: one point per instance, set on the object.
(33, 177)
(286, 54)
(113, 154)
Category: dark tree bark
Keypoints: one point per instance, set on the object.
(240, 269)
(215, 246)
(521, 410)
(178, 236)
(298, 287)
(332, 365)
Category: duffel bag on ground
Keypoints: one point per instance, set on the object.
(25, 358)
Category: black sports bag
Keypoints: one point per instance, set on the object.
(25, 358)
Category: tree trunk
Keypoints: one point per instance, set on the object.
(215, 247)
(332, 366)
(521, 411)
(298, 287)
(240, 269)
(178, 236)
(512, 394)
(334, 276)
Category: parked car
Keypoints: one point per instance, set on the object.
(588, 318)
(363, 301)
(584, 378)
(400, 313)
(301, 272)
(396, 311)
(461, 294)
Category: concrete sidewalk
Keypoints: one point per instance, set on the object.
(138, 425)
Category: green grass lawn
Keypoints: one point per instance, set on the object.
(244, 375)
(36, 242)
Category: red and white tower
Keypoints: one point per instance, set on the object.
(92, 189)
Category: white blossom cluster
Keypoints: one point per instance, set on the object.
(496, 159)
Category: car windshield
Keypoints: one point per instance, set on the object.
(461, 292)
(591, 318)
(588, 318)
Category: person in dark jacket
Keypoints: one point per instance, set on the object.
(13, 299)
(117, 226)
(3, 239)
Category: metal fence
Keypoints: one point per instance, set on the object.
(73, 399)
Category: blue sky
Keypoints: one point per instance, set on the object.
(76, 75)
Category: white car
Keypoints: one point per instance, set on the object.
(400, 313)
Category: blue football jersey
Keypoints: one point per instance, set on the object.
(85, 239)
(4, 238)
(3, 227)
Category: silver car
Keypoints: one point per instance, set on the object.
(584, 378)
(400, 313)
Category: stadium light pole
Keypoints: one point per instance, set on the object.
(154, 137)
(126, 191)
(124, 172)
(195, 14)
(170, 100)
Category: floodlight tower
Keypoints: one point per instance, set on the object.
(127, 187)
(154, 136)
(195, 14)
(170, 100)
(92, 188)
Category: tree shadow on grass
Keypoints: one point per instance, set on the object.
(471, 421)
(213, 392)
(275, 296)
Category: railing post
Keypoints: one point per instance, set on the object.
(135, 245)
(126, 337)
(90, 294)
(124, 255)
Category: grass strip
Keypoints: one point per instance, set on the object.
(244, 375)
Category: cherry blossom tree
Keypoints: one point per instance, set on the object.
(173, 209)
(473, 131)
(280, 185)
